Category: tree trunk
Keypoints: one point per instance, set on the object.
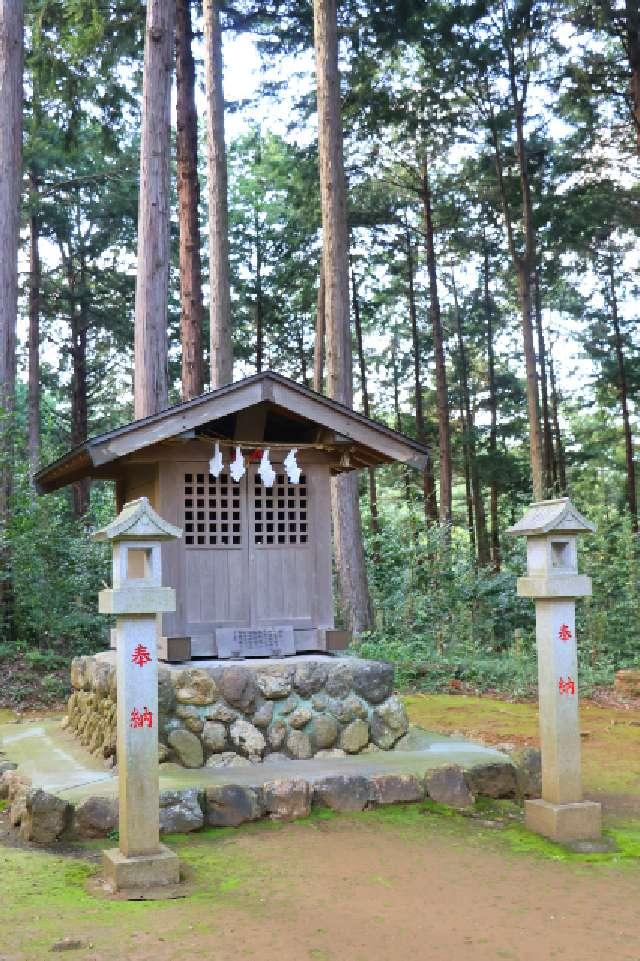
(302, 357)
(321, 333)
(482, 540)
(395, 370)
(151, 392)
(523, 266)
(547, 447)
(188, 207)
(428, 483)
(442, 398)
(259, 304)
(535, 438)
(493, 410)
(632, 503)
(220, 321)
(35, 280)
(561, 468)
(632, 46)
(333, 193)
(373, 490)
(526, 268)
(79, 408)
(11, 93)
(78, 324)
(467, 474)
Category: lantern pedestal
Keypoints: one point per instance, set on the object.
(574, 821)
(141, 871)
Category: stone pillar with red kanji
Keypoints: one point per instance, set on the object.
(136, 599)
(551, 528)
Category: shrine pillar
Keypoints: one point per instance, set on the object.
(551, 528)
(136, 599)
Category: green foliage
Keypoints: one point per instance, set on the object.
(439, 616)
(273, 251)
(445, 623)
(57, 574)
(609, 622)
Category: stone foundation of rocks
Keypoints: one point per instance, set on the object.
(45, 818)
(221, 714)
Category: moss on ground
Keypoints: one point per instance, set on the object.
(610, 744)
(47, 898)
(508, 836)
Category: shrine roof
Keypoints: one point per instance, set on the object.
(295, 411)
(547, 517)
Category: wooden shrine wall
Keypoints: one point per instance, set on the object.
(250, 556)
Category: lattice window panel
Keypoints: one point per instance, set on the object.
(212, 511)
(280, 513)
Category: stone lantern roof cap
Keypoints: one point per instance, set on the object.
(137, 521)
(548, 517)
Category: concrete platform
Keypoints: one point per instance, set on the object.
(258, 664)
(58, 764)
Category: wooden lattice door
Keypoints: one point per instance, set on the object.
(281, 555)
(250, 559)
(216, 545)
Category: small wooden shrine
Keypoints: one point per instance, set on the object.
(245, 472)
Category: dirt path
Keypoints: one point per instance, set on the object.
(361, 888)
(367, 895)
(387, 885)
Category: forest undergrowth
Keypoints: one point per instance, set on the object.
(446, 624)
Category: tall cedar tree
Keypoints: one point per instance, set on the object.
(151, 390)
(623, 393)
(406, 91)
(320, 339)
(428, 481)
(442, 394)
(35, 287)
(11, 84)
(493, 404)
(515, 36)
(35, 277)
(347, 524)
(188, 207)
(362, 364)
(220, 304)
(481, 537)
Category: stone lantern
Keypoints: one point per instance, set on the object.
(551, 528)
(137, 598)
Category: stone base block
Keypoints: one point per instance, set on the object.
(577, 821)
(143, 871)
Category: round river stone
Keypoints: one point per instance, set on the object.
(355, 736)
(324, 731)
(373, 680)
(188, 748)
(195, 686)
